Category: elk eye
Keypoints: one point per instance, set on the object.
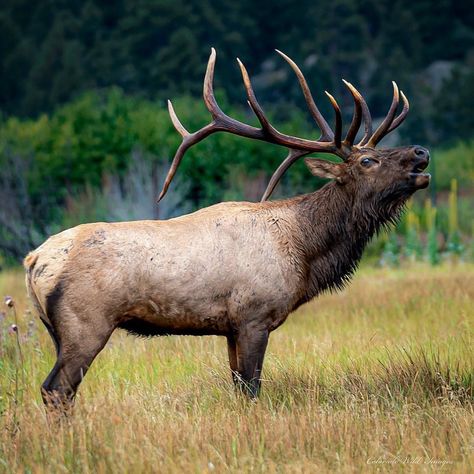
(367, 162)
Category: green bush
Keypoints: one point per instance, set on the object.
(96, 134)
(454, 163)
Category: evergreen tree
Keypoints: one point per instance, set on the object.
(51, 50)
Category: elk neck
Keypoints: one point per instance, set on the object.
(335, 226)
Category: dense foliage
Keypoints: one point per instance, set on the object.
(53, 50)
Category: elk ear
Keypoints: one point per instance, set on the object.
(326, 169)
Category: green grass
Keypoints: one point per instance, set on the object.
(378, 378)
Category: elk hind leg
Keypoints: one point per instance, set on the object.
(77, 351)
(52, 334)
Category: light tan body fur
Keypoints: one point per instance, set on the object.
(232, 269)
(204, 273)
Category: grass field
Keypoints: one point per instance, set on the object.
(378, 378)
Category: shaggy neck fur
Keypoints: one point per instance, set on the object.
(336, 226)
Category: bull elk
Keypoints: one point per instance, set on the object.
(234, 269)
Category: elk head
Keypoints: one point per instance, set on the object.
(365, 171)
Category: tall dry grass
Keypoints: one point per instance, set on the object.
(378, 378)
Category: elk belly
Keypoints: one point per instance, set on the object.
(155, 318)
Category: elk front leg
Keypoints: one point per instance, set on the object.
(251, 343)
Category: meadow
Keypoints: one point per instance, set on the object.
(377, 378)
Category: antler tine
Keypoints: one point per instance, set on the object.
(292, 156)
(384, 127)
(252, 100)
(208, 88)
(401, 117)
(338, 126)
(177, 124)
(326, 132)
(367, 121)
(357, 117)
(188, 140)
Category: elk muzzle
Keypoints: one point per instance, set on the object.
(420, 161)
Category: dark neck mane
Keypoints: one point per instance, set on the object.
(336, 228)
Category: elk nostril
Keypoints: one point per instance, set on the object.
(421, 152)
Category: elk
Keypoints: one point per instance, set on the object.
(234, 269)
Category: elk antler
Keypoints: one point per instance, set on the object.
(329, 141)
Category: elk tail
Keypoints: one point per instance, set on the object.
(29, 263)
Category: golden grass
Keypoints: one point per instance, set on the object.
(378, 378)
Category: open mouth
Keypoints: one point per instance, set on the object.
(422, 180)
(419, 168)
